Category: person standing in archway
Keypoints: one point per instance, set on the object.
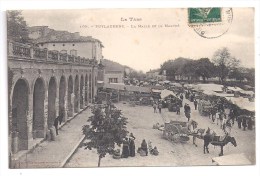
(56, 124)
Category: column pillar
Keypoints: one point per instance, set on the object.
(83, 97)
(45, 126)
(65, 110)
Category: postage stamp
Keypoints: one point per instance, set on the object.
(204, 15)
(210, 22)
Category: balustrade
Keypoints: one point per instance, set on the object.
(63, 57)
(53, 55)
(39, 53)
(22, 51)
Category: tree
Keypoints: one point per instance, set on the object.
(17, 29)
(188, 69)
(224, 62)
(204, 68)
(174, 67)
(106, 129)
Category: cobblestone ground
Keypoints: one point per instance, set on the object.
(141, 120)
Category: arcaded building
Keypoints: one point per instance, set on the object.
(55, 75)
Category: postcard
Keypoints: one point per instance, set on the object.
(131, 87)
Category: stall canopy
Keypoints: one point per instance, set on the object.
(165, 93)
(210, 87)
(127, 87)
(233, 159)
(235, 89)
(156, 90)
(176, 84)
(247, 92)
(243, 103)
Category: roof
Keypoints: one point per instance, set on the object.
(233, 159)
(165, 93)
(61, 36)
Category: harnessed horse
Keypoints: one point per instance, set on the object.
(216, 141)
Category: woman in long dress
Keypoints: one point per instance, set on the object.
(132, 145)
(125, 151)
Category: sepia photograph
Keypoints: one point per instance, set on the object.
(131, 87)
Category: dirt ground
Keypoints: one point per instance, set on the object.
(140, 122)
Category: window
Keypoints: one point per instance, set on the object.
(73, 44)
(73, 52)
(53, 45)
(113, 80)
(63, 44)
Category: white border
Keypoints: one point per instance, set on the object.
(76, 4)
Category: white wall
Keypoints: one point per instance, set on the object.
(84, 49)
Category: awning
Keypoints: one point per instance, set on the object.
(235, 89)
(233, 159)
(156, 90)
(247, 92)
(242, 103)
(165, 93)
(176, 84)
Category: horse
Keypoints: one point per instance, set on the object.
(217, 141)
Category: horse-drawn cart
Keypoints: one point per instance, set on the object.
(176, 131)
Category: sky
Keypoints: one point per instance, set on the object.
(146, 47)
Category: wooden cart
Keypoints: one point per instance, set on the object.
(176, 131)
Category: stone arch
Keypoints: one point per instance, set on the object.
(70, 96)
(51, 102)
(38, 108)
(76, 94)
(18, 125)
(81, 87)
(62, 94)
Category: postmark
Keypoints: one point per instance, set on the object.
(210, 22)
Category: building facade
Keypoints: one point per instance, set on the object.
(66, 42)
(43, 84)
(114, 77)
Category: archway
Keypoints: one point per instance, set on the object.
(81, 92)
(51, 102)
(70, 91)
(18, 125)
(76, 93)
(62, 92)
(38, 109)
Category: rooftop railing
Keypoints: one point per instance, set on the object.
(20, 51)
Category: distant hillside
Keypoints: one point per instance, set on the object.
(114, 66)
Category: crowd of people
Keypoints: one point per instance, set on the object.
(128, 149)
(220, 113)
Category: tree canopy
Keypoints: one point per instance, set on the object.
(224, 62)
(107, 128)
(17, 29)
